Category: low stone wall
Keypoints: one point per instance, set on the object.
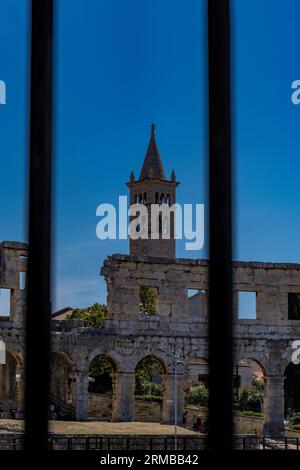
(100, 407)
(148, 411)
(244, 424)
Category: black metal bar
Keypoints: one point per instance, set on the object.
(39, 260)
(220, 225)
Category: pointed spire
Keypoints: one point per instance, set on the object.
(132, 178)
(152, 166)
(173, 176)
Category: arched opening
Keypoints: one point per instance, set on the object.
(62, 387)
(149, 389)
(11, 386)
(196, 395)
(162, 198)
(248, 392)
(292, 395)
(101, 388)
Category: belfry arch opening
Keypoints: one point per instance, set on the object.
(101, 388)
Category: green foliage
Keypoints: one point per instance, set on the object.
(148, 377)
(99, 366)
(250, 413)
(154, 398)
(92, 316)
(196, 394)
(147, 301)
(101, 370)
(250, 398)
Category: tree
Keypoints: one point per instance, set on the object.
(101, 370)
(92, 316)
(251, 398)
(148, 377)
(196, 393)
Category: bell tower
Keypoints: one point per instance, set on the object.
(152, 187)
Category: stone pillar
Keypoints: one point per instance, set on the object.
(273, 406)
(168, 412)
(123, 399)
(81, 396)
(20, 392)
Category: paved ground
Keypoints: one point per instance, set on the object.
(97, 427)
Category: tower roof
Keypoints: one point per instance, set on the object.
(152, 167)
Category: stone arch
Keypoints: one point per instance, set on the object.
(196, 382)
(106, 349)
(62, 386)
(12, 384)
(260, 358)
(249, 373)
(196, 368)
(103, 370)
(164, 359)
(150, 373)
(249, 393)
(292, 390)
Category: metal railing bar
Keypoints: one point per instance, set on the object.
(220, 227)
(39, 259)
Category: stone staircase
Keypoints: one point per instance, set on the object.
(63, 409)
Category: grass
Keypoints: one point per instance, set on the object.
(98, 427)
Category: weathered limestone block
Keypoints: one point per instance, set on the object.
(123, 403)
(274, 406)
(81, 396)
(168, 413)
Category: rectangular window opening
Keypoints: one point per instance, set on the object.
(294, 306)
(5, 295)
(148, 300)
(192, 292)
(22, 280)
(246, 305)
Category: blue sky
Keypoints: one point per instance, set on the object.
(122, 64)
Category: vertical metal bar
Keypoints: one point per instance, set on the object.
(220, 213)
(38, 307)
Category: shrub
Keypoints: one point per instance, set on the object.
(196, 394)
(250, 398)
(154, 398)
(92, 316)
